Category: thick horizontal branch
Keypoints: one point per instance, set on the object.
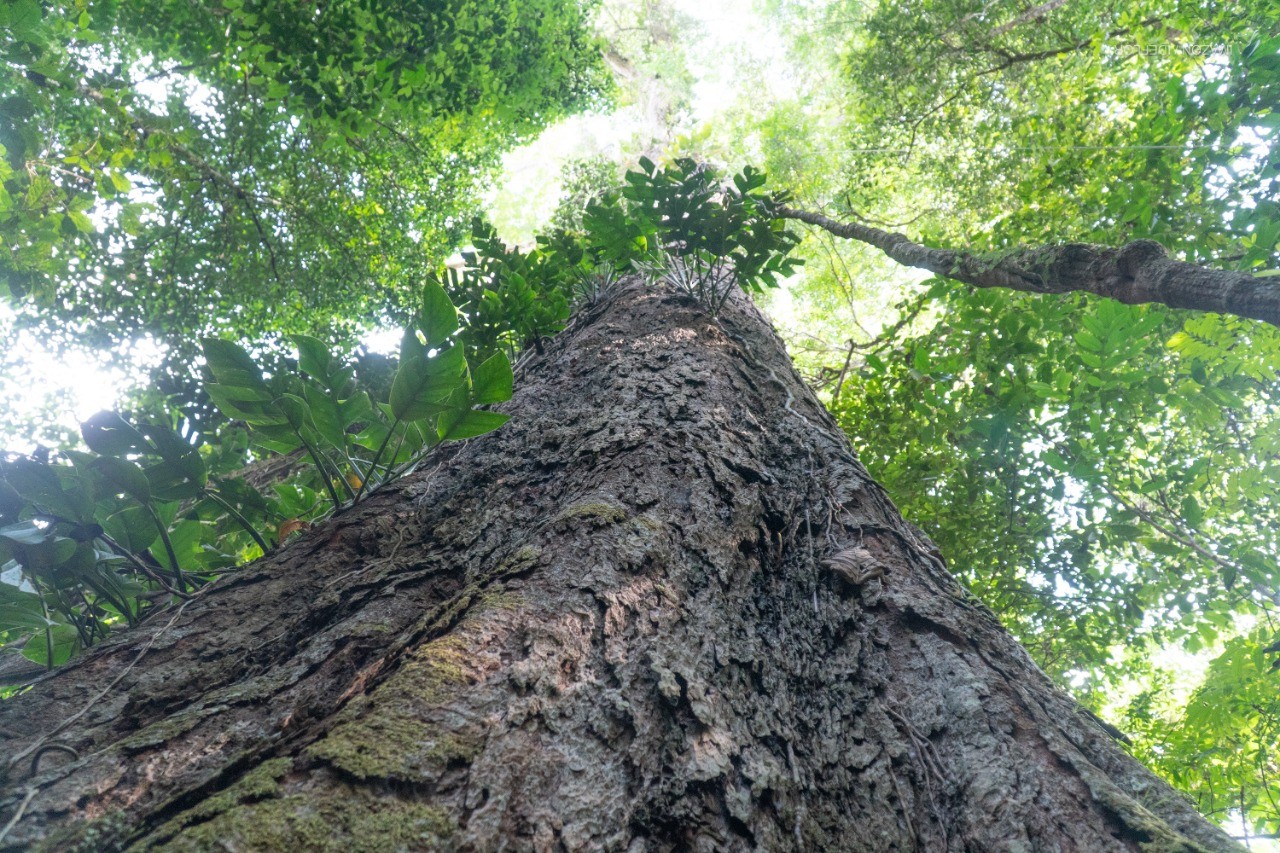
(1137, 272)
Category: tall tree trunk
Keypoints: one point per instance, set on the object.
(664, 608)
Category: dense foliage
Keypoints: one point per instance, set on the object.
(1105, 477)
(256, 168)
(89, 539)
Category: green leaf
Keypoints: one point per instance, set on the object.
(53, 646)
(110, 434)
(1192, 513)
(325, 416)
(232, 365)
(82, 223)
(492, 381)
(186, 537)
(295, 411)
(132, 528)
(469, 424)
(25, 617)
(123, 476)
(354, 410)
(439, 319)
(313, 357)
(47, 554)
(41, 484)
(181, 474)
(24, 533)
(236, 403)
(421, 384)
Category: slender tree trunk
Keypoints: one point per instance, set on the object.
(663, 608)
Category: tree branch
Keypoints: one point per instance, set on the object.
(1138, 272)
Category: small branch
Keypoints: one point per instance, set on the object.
(1172, 534)
(141, 566)
(239, 519)
(835, 395)
(167, 72)
(1034, 13)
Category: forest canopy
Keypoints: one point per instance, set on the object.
(255, 191)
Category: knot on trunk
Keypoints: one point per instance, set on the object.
(1135, 255)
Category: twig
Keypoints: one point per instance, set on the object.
(22, 808)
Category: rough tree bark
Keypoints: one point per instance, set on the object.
(1137, 272)
(663, 608)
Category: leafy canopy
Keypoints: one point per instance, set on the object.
(249, 168)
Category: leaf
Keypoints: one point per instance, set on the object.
(1088, 341)
(295, 411)
(47, 554)
(421, 384)
(231, 365)
(53, 646)
(492, 381)
(181, 474)
(354, 410)
(372, 436)
(132, 528)
(23, 617)
(24, 533)
(110, 434)
(186, 536)
(313, 357)
(41, 484)
(123, 476)
(244, 404)
(470, 423)
(1192, 514)
(325, 416)
(439, 319)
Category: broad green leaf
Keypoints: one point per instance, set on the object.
(355, 409)
(25, 617)
(47, 554)
(53, 646)
(469, 424)
(110, 434)
(232, 365)
(439, 319)
(295, 411)
(132, 528)
(123, 476)
(421, 384)
(42, 485)
(326, 415)
(492, 381)
(24, 533)
(181, 473)
(1192, 513)
(313, 357)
